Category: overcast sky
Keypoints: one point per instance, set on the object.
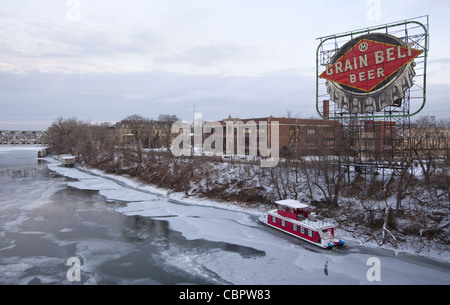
(102, 60)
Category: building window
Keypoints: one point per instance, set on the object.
(294, 133)
(291, 133)
(328, 130)
(311, 142)
(328, 142)
(310, 131)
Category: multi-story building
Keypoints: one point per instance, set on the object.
(150, 133)
(299, 136)
(378, 139)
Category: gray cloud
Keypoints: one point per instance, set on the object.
(111, 97)
(202, 55)
(248, 58)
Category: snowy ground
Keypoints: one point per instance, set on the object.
(137, 188)
(279, 259)
(285, 260)
(137, 191)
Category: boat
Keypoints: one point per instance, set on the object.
(67, 160)
(42, 153)
(293, 217)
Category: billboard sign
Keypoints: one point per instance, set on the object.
(370, 72)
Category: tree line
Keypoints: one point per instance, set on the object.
(416, 188)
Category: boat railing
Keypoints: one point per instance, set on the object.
(328, 235)
(325, 235)
(318, 224)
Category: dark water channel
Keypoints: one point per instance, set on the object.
(44, 222)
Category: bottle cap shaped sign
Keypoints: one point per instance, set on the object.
(370, 72)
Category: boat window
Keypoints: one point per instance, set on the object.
(274, 219)
(302, 230)
(310, 233)
(283, 222)
(294, 227)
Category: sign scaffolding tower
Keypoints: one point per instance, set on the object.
(373, 81)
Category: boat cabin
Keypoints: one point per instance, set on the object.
(294, 218)
(293, 209)
(68, 160)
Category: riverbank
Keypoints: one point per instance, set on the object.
(347, 228)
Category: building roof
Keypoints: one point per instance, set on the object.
(295, 204)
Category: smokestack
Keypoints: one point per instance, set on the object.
(326, 109)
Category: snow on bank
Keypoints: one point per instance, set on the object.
(256, 209)
(150, 201)
(254, 253)
(208, 223)
(127, 189)
(282, 261)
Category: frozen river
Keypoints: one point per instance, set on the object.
(125, 234)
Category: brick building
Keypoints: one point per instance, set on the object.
(304, 136)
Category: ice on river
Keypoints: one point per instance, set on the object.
(281, 259)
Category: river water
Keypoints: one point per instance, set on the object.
(44, 222)
(125, 235)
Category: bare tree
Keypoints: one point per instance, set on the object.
(166, 121)
(92, 144)
(139, 128)
(64, 135)
(429, 144)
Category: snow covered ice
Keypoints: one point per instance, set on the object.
(281, 259)
(186, 240)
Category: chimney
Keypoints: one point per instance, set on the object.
(326, 109)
